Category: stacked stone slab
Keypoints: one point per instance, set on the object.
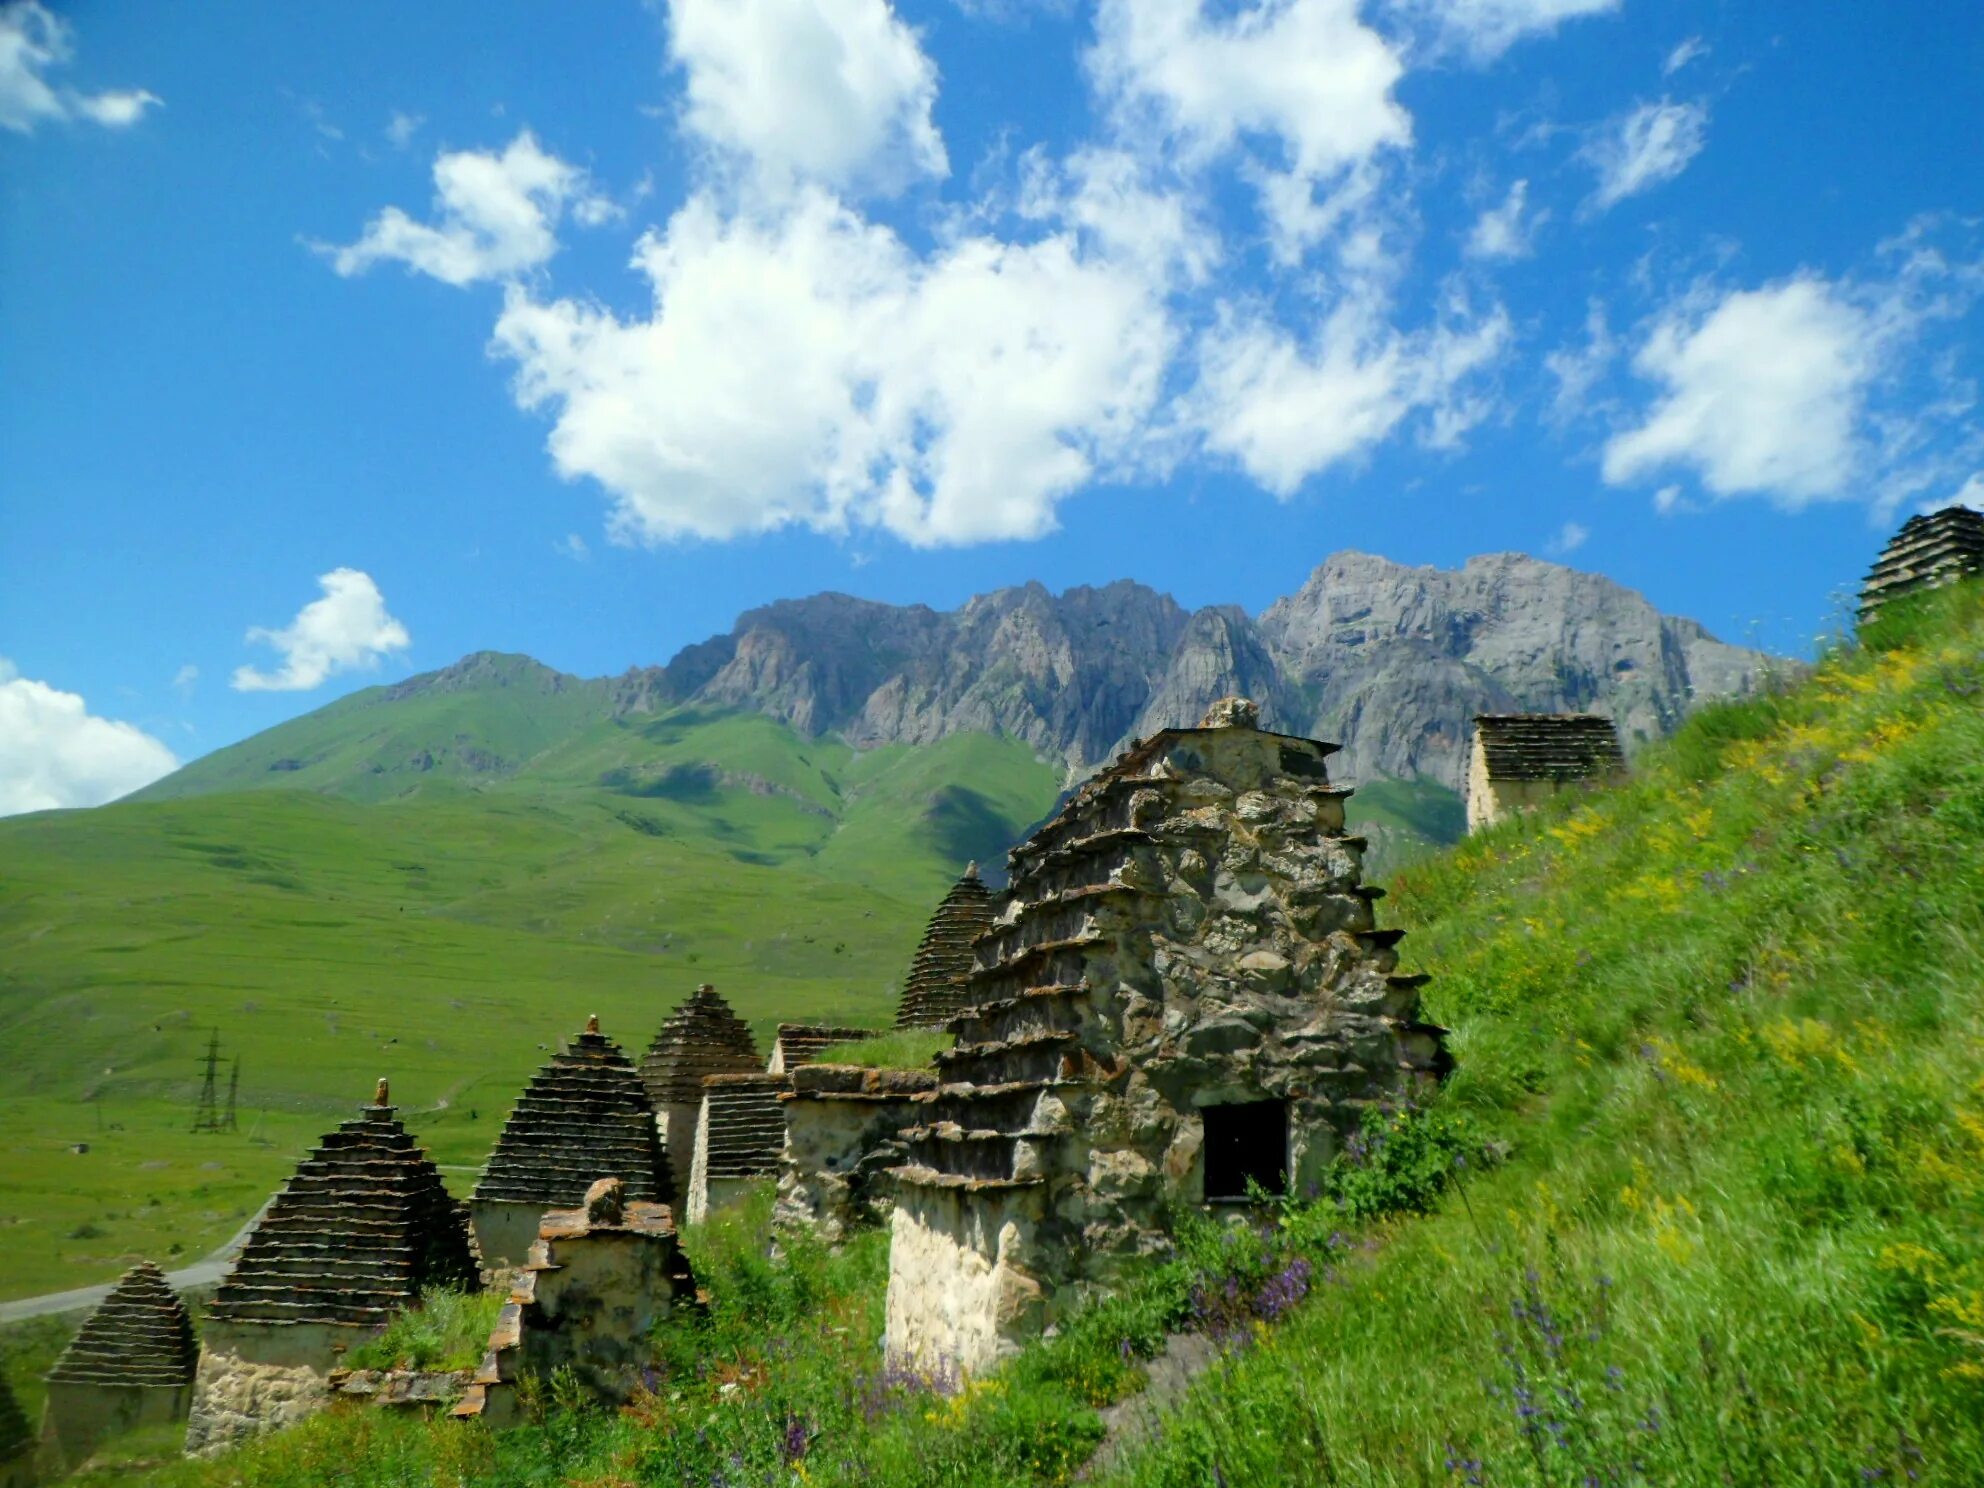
(1522, 759)
(600, 1276)
(701, 1037)
(131, 1364)
(739, 1137)
(16, 1442)
(802, 1043)
(842, 1126)
(1187, 941)
(584, 1116)
(1930, 551)
(363, 1225)
(933, 993)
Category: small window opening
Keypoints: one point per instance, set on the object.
(1246, 1142)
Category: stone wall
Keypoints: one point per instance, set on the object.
(261, 1377)
(76, 1417)
(961, 1288)
(841, 1127)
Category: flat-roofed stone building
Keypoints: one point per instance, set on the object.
(740, 1135)
(802, 1043)
(584, 1116)
(355, 1234)
(131, 1364)
(1929, 551)
(842, 1135)
(701, 1037)
(16, 1441)
(1185, 995)
(1520, 760)
(933, 992)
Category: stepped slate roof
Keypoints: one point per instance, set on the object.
(139, 1335)
(802, 1043)
(363, 1224)
(1929, 551)
(16, 1438)
(744, 1130)
(583, 1117)
(933, 993)
(1549, 746)
(701, 1037)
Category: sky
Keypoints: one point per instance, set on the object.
(337, 342)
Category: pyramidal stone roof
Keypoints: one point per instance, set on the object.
(1930, 550)
(363, 1224)
(701, 1037)
(1549, 746)
(933, 993)
(583, 1117)
(802, 1043)
(745, 1130)
(16, 1439)
(139, 1335)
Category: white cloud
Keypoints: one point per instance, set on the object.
(347, 628)
(1642, 149)
(1763, 393)
(1486, 28)
(1108, 194)
(1683, 54)
(1502, 232)
(836, 91)
(402, 127)
(497, 217)
(185, 680)
(54, 752)
(1579, 369)
(573, 547)
(1570, 537)
(1971, 495)
(1306, 77)
(1286, 411)
(807, 368)
(33, 41)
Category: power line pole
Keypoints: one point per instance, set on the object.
(233, 1088)
(206, 1115)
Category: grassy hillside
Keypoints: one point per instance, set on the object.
(448, 940)
(1721, 1085)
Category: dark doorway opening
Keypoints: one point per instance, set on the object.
(1246, 1142)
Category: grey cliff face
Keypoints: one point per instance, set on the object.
(1387, 660)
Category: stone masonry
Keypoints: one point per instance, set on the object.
(701, 1037)
(584, 1115)
(739, 1138)
(131, 1364)
(1185, 994)
(1931, 550)
(841, 1138)
(933, 993)
(600, 1276)
(1519, 760)
(360, 1228)
(802, 1043)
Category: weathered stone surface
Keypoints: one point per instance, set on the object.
(802, 1043)
(1931, 550)
(934, 989)
(131, 1364)
(255, 1377)
(1521, 759)
(1188, 935)
(702, 1037)
(739, 1137)
(842, 1126)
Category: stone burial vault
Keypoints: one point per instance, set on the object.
(1183, 995)
(131, 1364)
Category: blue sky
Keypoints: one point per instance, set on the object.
(336, 342)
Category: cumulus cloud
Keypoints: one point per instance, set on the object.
(1764, 393)
(495, 216)
(33, 42)
(832, 91)
(806, 367)
(1502, 231)
(1306, 79)
(1484, 29)
(1645, 148)
(1286, 411)
(54, 752)
(347, 628)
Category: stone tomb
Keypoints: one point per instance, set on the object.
(600, 1276)
(363, 1225)
(740, 1135)
(841, 1138)
(1184, 990)
(16, 1441)
(131, 1364)
(584, 1115)
(802, 1043)
(701, 1037)
(933, 993)
(1931, 550)
(1519, 760)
